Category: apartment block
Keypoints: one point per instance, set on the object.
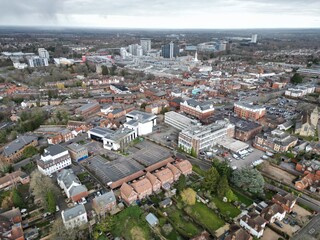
(249, 111)
(200, 138)
(200, 110)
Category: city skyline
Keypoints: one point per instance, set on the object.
(218, 14)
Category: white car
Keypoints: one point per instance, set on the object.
(235, 156)
(265, 157)
(234, 167)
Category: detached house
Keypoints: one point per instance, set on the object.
(104, 203)
(254, 223)
(273, 212)
(71, 185)
(74, 217)
(238, 233)
(286, 201)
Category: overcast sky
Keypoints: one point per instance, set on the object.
(162, 13)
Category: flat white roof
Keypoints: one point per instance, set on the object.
(233, 144)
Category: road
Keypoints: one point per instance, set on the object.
(303, 199)
(311, 231)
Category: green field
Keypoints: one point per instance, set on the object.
(242, 198)
(178, 219)
(226, 208)
(205, 217)
(130, 224)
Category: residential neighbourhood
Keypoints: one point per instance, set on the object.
(159, 135)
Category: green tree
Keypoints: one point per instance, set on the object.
(105, 70)
(296, 78)
(231, 196)
(17, 199)
(59, 232)
(113, 70)
(181, 183)
(248, 179)
(29, 151)
(222, 167)
(211, 180)
(51, 202)
(223, 186)
(40, 186)
(143, 105)
(164, 110)
(188, 196)
(105, 225)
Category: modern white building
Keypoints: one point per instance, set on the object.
(200, 138)
(179, 121)
(299, 91)
(146, 45)
(254, 38)
(74, 217)
(19, 65)
(43, 53)
(53, 159)
(112, 139)
(141, 122)
(38, 62)
(139, 51)
(123, 53)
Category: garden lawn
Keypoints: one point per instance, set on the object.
(82, 176)
(205, 217)
(131, 225)
(198, 170)
(181, 224)
(226, 208)
(242, 198)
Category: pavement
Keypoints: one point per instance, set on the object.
(311, 231)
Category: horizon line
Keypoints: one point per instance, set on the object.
(155, 28)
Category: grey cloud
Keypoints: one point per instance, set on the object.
(48, 10)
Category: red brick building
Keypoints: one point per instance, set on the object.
(249, 111)
(88, 109)
(200, 110)
(286, 201)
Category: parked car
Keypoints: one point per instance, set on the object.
(278, 224)
(286, 220)
(293, 214)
